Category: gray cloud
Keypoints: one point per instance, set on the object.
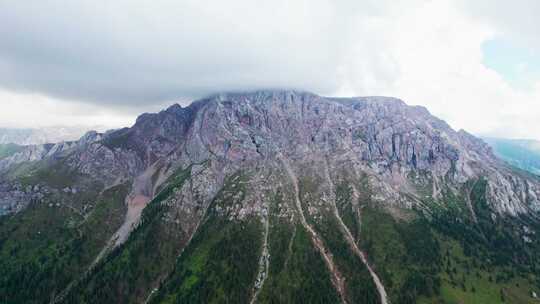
(133, 52)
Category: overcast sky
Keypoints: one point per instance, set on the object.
(475, 64)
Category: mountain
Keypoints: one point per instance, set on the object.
(270, 197)
(524, 154)
(41, 136)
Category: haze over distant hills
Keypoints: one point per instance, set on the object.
(38, 136)
(522, 153)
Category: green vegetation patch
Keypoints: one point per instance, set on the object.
(118, 139)
(359, 283)
(406, 255)
(46, 246)
(465, 279)
(130, 272)
(221, 262)
(486, 260)
(297, 272)
(53, 173)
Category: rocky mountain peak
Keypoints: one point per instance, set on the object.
(383, 135)
(380, 135)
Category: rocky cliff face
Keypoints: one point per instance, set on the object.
(294, 145)
(380, 136)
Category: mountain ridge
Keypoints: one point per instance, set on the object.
(265, 170)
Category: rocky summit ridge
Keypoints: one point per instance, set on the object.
(290, 153)
(381, 136)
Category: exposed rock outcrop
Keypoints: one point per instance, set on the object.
(378, 135)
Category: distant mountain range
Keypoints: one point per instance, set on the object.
(38, 136)
(523, 154)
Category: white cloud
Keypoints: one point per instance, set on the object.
(37, 111)
(431, 54)
(110, 61)
(517, 20)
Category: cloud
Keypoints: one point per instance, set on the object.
(37, 111)
(145, 51)
(516, 20)
(431, 54)
(438, 47)
(123, 57)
